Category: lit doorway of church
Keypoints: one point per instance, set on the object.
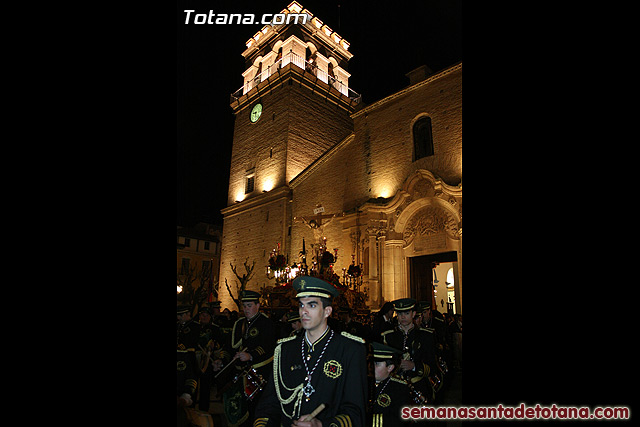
(432, 277)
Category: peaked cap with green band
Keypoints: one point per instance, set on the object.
(308, 286)
(249, 296)
(383, 352)
(404, 304)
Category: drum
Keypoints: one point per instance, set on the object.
(253, 382)
(199, 418)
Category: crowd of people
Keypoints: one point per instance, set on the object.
(318, 365)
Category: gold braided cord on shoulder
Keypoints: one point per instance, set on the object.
(233, 334)
(296, 392)
(353, 337)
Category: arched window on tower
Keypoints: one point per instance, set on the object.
(258, 76)
(422, 138)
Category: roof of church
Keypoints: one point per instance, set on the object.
(410, 88)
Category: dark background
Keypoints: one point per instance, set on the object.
(387, 41)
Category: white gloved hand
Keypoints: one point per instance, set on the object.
(187, 398)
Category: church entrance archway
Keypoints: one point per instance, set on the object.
(432, 278)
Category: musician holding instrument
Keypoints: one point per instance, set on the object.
(187, 365)
(417, 346)
(389, 393)
(431, 320)
(318, 367)
(210, 354)
(253, 339)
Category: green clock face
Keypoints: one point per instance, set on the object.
(256, 112)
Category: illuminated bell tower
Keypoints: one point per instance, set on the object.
(294, 105)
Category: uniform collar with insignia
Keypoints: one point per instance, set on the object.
(310, 346)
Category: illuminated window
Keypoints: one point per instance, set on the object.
(422, 139)
(250, 179)
(248, 188)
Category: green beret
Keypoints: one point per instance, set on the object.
(404, 304)
(308, 286)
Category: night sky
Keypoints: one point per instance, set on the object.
(387, 41)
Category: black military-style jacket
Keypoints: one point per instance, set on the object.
(211, 336)
(357, 329)
(186, 372)
(380, 326)
(188, 335)
(339, 380)
(259, 336)
(386, 400)
(419, 347)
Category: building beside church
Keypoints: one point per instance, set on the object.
(382, 182)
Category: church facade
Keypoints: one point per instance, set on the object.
(380, 185)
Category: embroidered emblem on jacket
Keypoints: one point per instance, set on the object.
(332, 369)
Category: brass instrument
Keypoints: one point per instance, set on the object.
(417, 396)
(204, 364)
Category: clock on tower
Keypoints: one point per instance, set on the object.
(256, 111)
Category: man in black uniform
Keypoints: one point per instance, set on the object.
(210, 355)
(225, 324)
(296, 326)
(188, 330)
(320, 366)
(432, 323)
(187, 365)
(253, 339)
(383, 321)
(352, 326)
(417, 346)
(389, 394)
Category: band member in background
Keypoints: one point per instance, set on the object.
(253, 339)
(320, 366)
(352, 326)
(296, 326)
(210, 354)
(225, 324)
(281, 323)
(188, 330)
(417, 346)
(388, 394)
(383, 321)
(187, 364)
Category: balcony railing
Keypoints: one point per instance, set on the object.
(303, 65)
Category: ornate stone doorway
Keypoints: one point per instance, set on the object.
(422, 279)
(424, 218)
